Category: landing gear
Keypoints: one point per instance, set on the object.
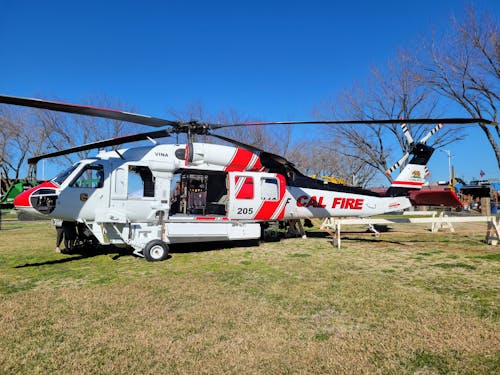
(155, 251)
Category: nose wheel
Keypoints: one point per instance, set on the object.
(155, 251)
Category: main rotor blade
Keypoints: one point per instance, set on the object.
(237, 143)
(366, 122)
(278, 158)
(87, 111)
(104, 143)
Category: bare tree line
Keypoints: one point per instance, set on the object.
(464, 66)
(461, 67)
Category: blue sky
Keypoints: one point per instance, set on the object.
(272, 60)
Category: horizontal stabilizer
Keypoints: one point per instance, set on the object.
(425, 197)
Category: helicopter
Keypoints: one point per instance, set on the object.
(150, 197)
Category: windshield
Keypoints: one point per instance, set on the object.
(59, 179)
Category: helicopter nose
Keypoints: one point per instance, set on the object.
(29, 201)
(22, 202)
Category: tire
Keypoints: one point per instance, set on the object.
(155, 251)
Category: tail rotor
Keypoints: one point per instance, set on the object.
(413, 175)
(411, 145)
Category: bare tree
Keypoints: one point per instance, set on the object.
(275, 139)
(65, 130)
(19, 138)
(311, 156)
(464, 66)
(395, 93)
(26, 132)
(321, 158)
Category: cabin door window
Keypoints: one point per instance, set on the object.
(269, 189)
(140, 182)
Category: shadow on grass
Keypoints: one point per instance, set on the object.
(198, 247)
(352, 236)
(315, 234)
(83, 253)
(117, 252)
(373, 240)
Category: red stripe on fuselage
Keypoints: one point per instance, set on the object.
(240, 160)
(257, 167)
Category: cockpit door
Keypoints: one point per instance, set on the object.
(84, 194)
(119, 183)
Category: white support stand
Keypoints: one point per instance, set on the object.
(372, 229)
(493, 232)
(441, 222)
(333, 225)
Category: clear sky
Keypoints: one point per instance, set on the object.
(272, 60)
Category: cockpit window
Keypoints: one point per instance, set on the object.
(59, 179)
(92, 176)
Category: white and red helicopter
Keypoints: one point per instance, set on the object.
(151, 196)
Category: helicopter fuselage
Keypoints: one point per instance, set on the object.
(189, 193)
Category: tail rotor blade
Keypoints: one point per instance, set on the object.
(407, 134)
(397, 164)
(427, 172)
(433, 131)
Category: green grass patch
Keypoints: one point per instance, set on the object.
(389, 271)
(494, 257)
(323, 336)
(454, 265)
(428, 362)
(299, 255)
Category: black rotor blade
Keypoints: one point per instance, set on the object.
(237, 143)
(278, 158)
(104, 143)
(87, 110)
(360, 122)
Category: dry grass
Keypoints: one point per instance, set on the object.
(418, 303)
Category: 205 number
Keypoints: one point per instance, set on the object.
(245, 211)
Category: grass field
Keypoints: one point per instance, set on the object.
(402, 303)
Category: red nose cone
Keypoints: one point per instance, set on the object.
(23, 199)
